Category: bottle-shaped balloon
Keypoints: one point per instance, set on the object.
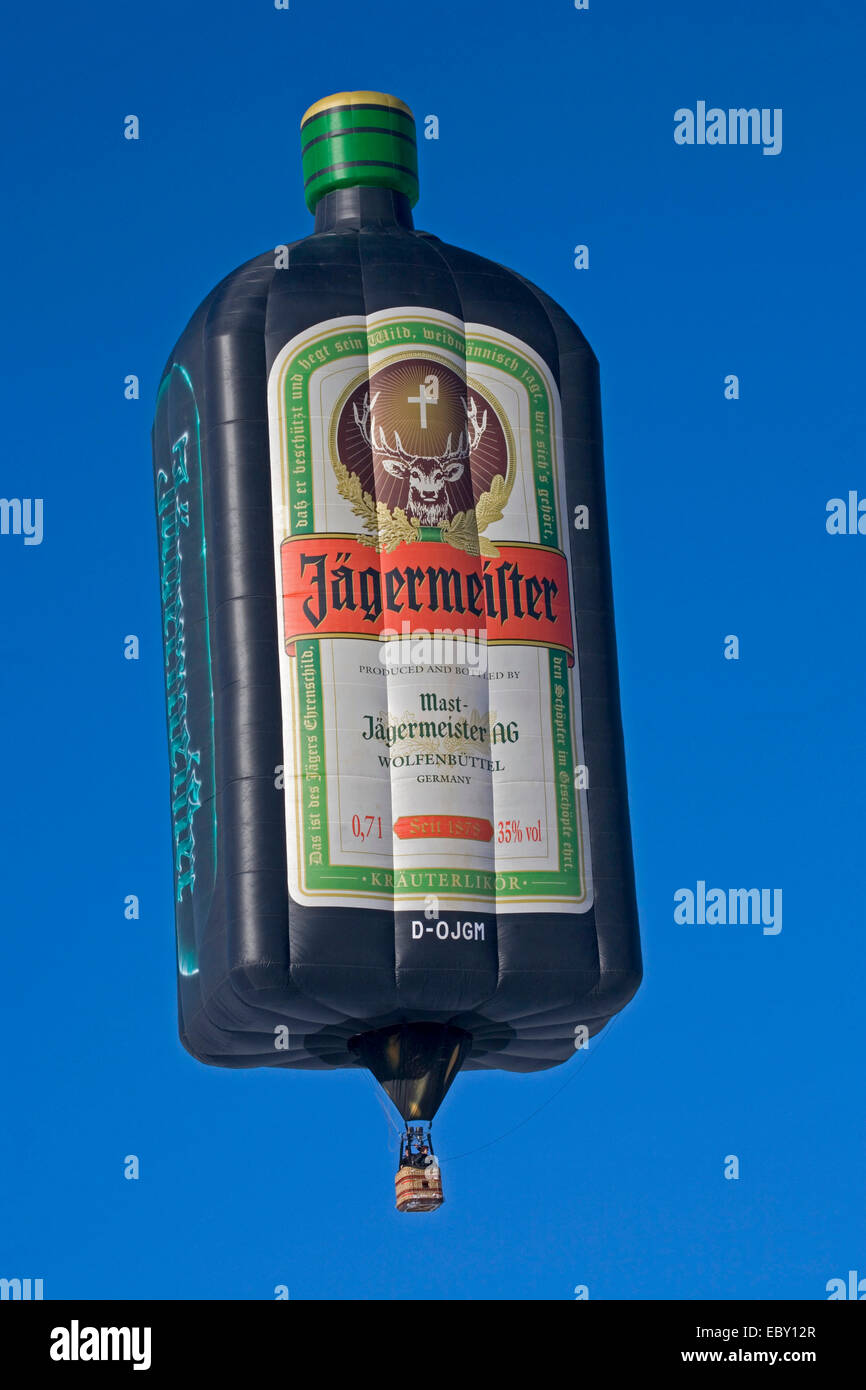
(398, 799)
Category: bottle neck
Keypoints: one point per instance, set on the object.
(373, 209)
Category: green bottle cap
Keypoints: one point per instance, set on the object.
(356, 138)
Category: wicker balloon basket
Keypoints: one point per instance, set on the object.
(419, 1189)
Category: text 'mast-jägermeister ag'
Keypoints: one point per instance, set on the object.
(398, 797)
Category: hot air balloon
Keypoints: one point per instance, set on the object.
(398, 802)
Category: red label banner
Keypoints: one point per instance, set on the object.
(335, 586)
(443, 828)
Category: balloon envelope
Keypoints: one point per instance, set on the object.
(397, 781)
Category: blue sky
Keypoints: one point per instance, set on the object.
(556, 128)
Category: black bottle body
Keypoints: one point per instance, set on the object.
(272, 977)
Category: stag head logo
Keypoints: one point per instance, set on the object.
(427, 475)
(417, 447)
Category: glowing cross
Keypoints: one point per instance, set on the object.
(428, 394)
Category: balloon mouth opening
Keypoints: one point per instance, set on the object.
(414, 1063)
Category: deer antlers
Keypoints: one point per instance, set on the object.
(366, 423)
(476, 429)
(467, 440)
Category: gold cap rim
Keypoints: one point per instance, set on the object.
(355, 99)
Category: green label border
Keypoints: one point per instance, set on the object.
(318, 875)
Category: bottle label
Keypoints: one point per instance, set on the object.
(428, 660)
